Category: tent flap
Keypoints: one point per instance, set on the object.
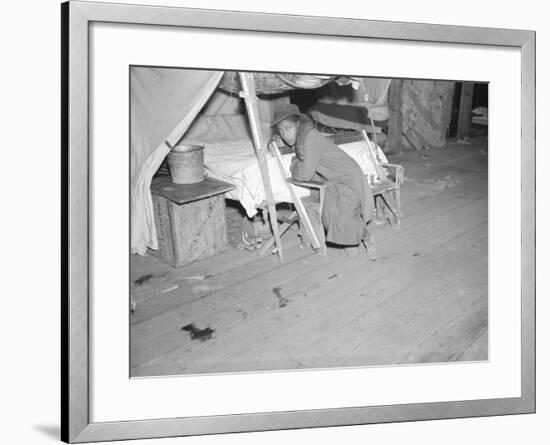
(163, 104)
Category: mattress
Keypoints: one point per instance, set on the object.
(236, 163)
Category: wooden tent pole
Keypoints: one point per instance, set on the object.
(298, 204)
(248, 93)
(395, 120)
(465, 109)
(372, 153)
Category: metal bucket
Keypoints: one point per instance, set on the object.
(186, 163)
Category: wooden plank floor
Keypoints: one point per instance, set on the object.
(424, 300)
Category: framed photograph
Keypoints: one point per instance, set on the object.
(292, 222)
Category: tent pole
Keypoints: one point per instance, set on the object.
(372, 153)
(248, 93)
(300, 209)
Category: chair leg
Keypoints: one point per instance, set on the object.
(304, 239)
(380, 210)
(314, 212)
(393, 206)
(397, 197)
(398, 215)
(271, 241)
(322, 240)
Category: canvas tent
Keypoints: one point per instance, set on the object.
(165, 104)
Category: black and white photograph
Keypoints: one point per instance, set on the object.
(290, 221)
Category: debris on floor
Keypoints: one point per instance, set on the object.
(143, 279)
(198, 334)
(282, 300)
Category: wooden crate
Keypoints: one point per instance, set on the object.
(190, 220)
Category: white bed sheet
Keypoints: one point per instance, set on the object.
(236, 163)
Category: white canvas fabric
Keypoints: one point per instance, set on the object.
(163, 104)
(236, 162)
(376, 96)
(223, 103)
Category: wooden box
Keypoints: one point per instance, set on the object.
(190, 219)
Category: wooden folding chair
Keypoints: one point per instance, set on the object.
(386, 187)
(314, 210)
(309, 219)
(386, 190)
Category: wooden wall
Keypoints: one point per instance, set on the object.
(420, 112)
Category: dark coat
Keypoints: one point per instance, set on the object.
(348, 202)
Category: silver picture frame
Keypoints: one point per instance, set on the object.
(76, 231)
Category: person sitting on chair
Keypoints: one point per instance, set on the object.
(349, 203)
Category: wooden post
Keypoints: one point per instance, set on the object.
(248, 93)
(465, 110)
(395, 124)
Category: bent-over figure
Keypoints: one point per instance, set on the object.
(349, 203)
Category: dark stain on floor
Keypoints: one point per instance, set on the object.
(198, 334)
(143, 279)
(282, 300)
(243, 313)
(333, 276)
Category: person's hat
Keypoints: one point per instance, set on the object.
(284, 111)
